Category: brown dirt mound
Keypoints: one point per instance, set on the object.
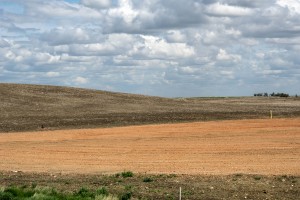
(223, 147)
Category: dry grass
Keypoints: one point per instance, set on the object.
(29, 107)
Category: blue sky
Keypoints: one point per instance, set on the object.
(11, 7)
(165, 48)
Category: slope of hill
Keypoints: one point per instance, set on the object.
(34, 107)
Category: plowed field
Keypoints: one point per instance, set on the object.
(222, 147)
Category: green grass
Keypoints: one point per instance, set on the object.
(127, 174)
(22, 193)
(28, 186)
(127, 194)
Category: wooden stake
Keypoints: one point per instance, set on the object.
(180, 193)
(271, 114)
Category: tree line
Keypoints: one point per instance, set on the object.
(272, 95)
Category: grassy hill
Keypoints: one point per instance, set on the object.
(31, 107)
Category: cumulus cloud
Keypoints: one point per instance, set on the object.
(176, 36)
(153, 47)
(223, 55)
(80, 80)
(219, 9)
(52, 74)
(99, 4)
(61, 36)
(292, 5)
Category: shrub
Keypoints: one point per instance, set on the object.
(147, 180)
(127, 174)
(6, 196)
(127, 194)
(46, 193)
(84, 193)
(19, 192)
(102, 191)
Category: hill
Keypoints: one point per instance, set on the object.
(36, 107)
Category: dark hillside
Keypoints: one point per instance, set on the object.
(33, 107)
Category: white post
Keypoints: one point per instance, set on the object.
(180, 193)
(271, 114)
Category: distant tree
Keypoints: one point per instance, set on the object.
(273, 94)
(279, 94)
(261, 94)
(284, 95)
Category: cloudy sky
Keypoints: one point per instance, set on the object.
(166, 48)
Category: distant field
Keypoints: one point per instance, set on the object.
(31, 107)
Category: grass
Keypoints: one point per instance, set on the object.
(48, 107)
(127, 194)
(21, 193)
(102, 192)
(127, 174)
(17, 186)
(163, 186)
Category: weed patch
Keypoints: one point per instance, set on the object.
(147, 180)
(21, 193)
(127, 174)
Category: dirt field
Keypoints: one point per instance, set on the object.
(217, 148)
(31, 107)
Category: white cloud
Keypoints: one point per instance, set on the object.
(219, 9)
(124, 12)
(61, 36)
(98, 4)
(188, 70)
(176, 36)
(153, 47)
(52, 74)
(223, 55)
(292, 5)
(80, 80)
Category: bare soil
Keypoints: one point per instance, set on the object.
(268, 147)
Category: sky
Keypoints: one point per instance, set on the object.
(169, 48)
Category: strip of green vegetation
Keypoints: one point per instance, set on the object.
(20, 193)
(128, 185)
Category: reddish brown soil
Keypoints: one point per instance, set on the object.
(222, 147)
